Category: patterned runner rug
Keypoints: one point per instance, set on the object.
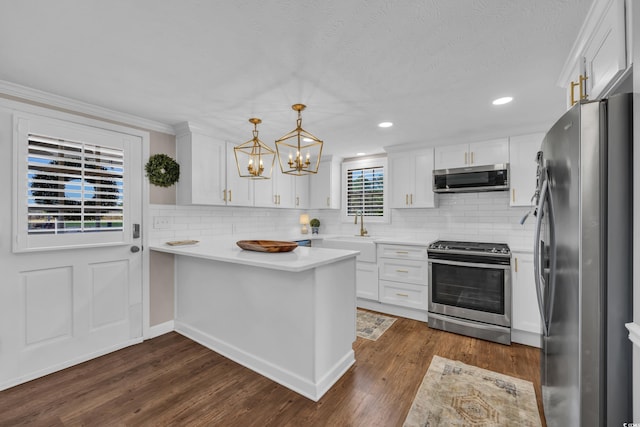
(372, 325)
(455, 394)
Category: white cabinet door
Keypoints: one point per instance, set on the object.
(239, 189)
(452, 156)
(302, 191)
(285, 190)
(490, 152)
(401, 180)
(324, 187)
(525, 313)
(423, 195)
(264, 192)
(367, 280)
(523, 150)
(202, 169)
(605, 54)
(411, 179)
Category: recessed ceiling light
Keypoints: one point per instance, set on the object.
(360, 154)
(385, 124)
(501, 101)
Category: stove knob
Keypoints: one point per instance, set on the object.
(440, 247)
(446, 248)
(504, 251)
(494, 251)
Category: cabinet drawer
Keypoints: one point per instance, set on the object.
(402, 252)
(404, 294)
(401, 270)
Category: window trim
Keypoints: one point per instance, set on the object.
(24, 125)
(362, 163)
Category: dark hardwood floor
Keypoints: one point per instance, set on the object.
(171, 380)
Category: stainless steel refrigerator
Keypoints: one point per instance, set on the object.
(583, 264)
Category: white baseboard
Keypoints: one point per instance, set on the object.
(395, 310)
(304, 386)
(526, 338)
(161, 329)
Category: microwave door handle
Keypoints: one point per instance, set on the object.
(539, 280)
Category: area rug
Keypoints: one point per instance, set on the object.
(455, 394)
(372, 325)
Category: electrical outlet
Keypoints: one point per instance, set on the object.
(162, 222)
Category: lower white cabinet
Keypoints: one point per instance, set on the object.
(367, 280)
(524, 311)
(403, 279)
(523, 167)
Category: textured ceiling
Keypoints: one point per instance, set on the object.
(430, 66)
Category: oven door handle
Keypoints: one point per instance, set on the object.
(469, 264)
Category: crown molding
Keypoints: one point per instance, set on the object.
(61, 102)
(634, 333)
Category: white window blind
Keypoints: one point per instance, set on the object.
(365, 191)
(73, 187)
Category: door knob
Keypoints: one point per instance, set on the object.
(135, 249)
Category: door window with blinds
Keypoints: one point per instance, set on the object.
(365, 187)
(71, 185)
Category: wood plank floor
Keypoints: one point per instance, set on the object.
(171, 380)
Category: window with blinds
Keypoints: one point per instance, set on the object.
(73, 187)
(365, 191)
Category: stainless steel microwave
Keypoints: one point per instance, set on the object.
(471, 179)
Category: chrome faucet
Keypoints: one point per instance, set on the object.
(363, 231)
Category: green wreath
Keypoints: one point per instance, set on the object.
(162, 170)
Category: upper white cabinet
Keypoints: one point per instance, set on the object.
(523, 150)
(282, 191)
(324, 187)
(599, 55)
(239, 190)
(411, 179)
(490, 152)
(202, 167)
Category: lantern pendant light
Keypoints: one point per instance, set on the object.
(254, 158)
(299, 151)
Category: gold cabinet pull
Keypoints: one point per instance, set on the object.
(465, 158)
(583, 87)
(278, 199)
(406, 199)
(224, 195)
(229, 195)
(516, 262)
(402, 295)
(402, 252)
(411, 199)
(402, 271)
(513, 195)
(471, 158)
(573, 87)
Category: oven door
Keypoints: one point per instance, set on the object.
(471, 290)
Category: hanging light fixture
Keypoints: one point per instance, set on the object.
(299, 151)
(254, 158)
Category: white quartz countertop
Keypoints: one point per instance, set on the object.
(226, 250)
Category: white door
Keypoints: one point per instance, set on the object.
(72, 266)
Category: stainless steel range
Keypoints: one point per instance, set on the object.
(470, 289)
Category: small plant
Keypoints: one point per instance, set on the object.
(315, 222)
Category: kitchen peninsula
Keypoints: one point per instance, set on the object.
(288, 316)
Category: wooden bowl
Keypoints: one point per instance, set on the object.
(267, 245)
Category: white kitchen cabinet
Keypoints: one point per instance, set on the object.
(402, 274)
(324, 187)
(600, 56)
(202, 161)
(411, 179)
(482, 153)
(525, 313)
(239, 190)
(282, 191)
(523, 166)
(367, 280)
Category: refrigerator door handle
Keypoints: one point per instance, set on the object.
(537, 261)
(551, 291)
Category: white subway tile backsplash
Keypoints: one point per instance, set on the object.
(462, 216)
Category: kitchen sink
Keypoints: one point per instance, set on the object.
(365, 244)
